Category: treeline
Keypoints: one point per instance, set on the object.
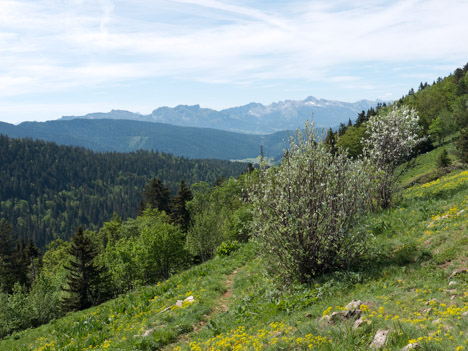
(171, 233)
(47, 190)
(442, 107)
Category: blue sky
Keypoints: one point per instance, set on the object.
(72, 57)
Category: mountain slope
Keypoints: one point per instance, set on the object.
(414, 287)
(128, 135)
(253, 118)
(48, 190)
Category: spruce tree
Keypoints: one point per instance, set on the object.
(32, 252)
(21, 262)
(86, 280)
(250, 168)
(157, 195)
(180, 215)
(462, 145)
(330, 142)
(7, 276)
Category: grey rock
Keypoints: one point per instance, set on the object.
(380, 339)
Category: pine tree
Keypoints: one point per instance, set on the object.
(86, 280)
(7, 276)
(180, 215)
(32, 252)
(157, 195)
(21, 262)
(330, 141)
(250, 168)
(443, 160)
(462, 145)
(361, 118)
(342, 129)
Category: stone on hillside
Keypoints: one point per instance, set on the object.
(465, 314)
(429, 302)
(453, 282)
(190, 299)
(334, 317)
(354, 305)
(380, 339)
(353, 314)
(411, 346)
(358, 323)
(458, 271)
(179, 303)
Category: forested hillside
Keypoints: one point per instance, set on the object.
(47, 190)
(127, 136)
(442, 107)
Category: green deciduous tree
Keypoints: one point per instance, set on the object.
(351, 141)
(217, 214)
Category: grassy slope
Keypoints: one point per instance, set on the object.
(404, 285)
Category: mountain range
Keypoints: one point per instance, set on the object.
(253, 118)
(236, 133)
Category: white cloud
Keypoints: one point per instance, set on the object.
(52, 45)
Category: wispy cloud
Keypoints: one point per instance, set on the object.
(56, 46)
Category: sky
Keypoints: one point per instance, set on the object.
(72, 57)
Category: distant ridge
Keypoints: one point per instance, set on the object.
(253, 118)
(129, 135)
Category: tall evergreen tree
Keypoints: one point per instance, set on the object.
(462, 145)
(157, 195)
(21, 262)
(32, 252)
(86, 280)
(342, 129)
(250, 168)
(330, 141)
(180, 215)
(7, 276)
(361, 118)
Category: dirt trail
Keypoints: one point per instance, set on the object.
(221, 305)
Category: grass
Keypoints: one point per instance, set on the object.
(424, 168)
(121, 324)
(406, 284)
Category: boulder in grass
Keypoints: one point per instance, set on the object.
(380, 339)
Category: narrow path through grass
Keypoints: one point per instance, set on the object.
(221, 305)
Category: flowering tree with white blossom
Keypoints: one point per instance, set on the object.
(390, 141)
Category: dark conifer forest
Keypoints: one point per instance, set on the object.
(47, 190)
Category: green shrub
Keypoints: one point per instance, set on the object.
(304, 209)
(443, 160)
(227, 247)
